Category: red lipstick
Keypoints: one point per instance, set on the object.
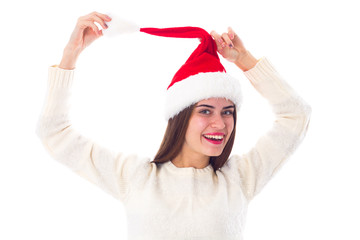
(214, 138)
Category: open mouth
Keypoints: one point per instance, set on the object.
(214, 139)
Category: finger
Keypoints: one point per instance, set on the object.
(218, 40)
(101, 15)
(93, 26)
(104, 17)
(227, 40)
(234, 37)
(96, 17)
(99, 20)
(231, 33)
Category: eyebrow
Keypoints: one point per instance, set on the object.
(209, 106)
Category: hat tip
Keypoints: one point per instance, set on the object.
(118, 26)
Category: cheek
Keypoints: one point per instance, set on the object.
(196, 127)
(198, 124)
(230, 125)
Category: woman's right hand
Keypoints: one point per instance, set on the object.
(84, 34)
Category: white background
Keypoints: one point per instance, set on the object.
(118, 98)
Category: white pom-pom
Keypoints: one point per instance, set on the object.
(119, 26)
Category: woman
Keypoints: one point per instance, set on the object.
(191, 189)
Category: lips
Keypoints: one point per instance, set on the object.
(214, 138)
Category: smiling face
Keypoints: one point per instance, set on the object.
(209, 129)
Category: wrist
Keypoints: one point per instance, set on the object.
(246, 61)
(69, 58)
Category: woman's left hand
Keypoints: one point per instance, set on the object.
(230, 46)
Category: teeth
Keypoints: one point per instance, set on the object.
(216, 137)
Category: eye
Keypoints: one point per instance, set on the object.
(205, 111)
(228, 112)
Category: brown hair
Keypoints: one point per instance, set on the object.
(174, 139)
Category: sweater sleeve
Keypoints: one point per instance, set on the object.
(292, 115)
(109, 171)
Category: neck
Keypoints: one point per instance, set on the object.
(184, 160)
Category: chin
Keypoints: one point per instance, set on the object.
(214, 153)
(213, 150)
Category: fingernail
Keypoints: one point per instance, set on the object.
(106, 26)
(223, 44)
(231, 36)
(231, 46)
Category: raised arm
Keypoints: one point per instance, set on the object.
(292, 116)
(83, 35)
(93, 162)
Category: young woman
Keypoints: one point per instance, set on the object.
(191, 189)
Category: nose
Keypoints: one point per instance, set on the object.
(218, 122)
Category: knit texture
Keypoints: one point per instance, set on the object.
(163, 201)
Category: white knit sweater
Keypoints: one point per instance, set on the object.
(163, 201)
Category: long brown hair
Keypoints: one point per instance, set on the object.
(174, 139)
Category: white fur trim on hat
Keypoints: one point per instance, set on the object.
(199, 87)
(119, 26)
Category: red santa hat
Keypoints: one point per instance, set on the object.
(201, 77)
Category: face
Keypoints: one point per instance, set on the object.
(210, 127)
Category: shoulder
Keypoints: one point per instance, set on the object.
(133, 164)
(230, 168)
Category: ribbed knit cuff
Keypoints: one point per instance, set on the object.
(269, 83)
(60, 78)
(58, 92)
